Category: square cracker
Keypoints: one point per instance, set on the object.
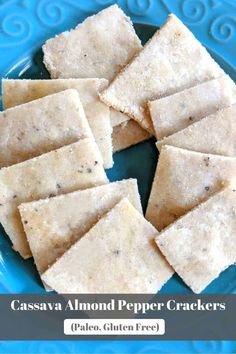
(75, 166)
(175, 112)
(171, 61)
(127, 134)
(98, 47)
(184, 179)
(54, 224)
(202, 244)
(215, 134)
(117, 255)
(15, 92)
(41, 126)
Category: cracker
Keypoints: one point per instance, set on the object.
(171, 61)
(118, 255)
(15, 92)
(202, 244)
(41, 126)
(53, 225)
(98, 47)
(73, 167)
(127, 134)
(184, 179)
(215, 134)
(176, 112)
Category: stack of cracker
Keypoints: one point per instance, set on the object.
(106, 93)
(193, 115)
(178, 93)
(56, 140)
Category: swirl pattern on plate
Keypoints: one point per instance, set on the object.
(138, 7)
(223, 28)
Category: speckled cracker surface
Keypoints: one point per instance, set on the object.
(41, 126)
(127, 134)
(202, 244)
(54, 224)
(118, 255)
(215, 134)
(75, 166)
(183, 179)
(98, 47)
(175, 112)
(171, 61)
(15, 92)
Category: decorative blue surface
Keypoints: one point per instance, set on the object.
(24, 26)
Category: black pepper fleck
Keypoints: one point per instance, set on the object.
(95, 163)
(207, 188)
(116, 252)
(207, 161)
(14, 196)
(80, 171)
(191, 119)
(58, 186)
(89, 170)
(25, 222)
(52, 195)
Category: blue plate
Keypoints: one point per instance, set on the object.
(24, 27)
